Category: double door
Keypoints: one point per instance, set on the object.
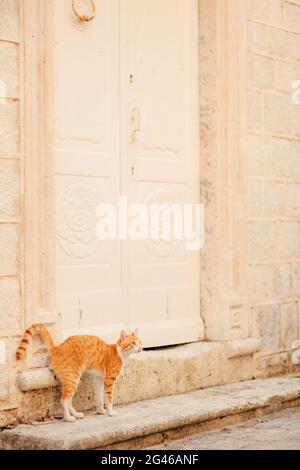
(126, 100)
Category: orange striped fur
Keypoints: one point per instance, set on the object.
(79, 354)
(37, 329)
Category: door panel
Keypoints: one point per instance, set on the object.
(159, 81)
(89, 272)
(159, 84)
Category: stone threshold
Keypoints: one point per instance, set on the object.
(153, 421)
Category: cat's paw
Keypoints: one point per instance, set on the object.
(79, 415)
(112, 414)
(101, 410)
(70, 419)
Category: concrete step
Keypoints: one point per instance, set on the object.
(152, 422)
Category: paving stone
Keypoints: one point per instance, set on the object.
(280, 431)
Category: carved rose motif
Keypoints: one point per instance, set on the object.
(76, 222)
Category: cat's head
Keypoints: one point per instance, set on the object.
(129, 342)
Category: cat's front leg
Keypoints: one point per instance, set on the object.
(108, 387)
(99, 394)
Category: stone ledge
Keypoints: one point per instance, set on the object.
(203, 359)
(154, 417)
(36, 379)
(244, 347)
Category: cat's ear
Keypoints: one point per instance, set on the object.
(123, 335)
(136, 332)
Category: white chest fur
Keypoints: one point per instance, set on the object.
(122, 357)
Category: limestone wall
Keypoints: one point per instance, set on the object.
(10, 215)
(274, 176)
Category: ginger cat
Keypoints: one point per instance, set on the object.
(80, 354)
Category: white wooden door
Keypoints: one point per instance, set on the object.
(126, 124)
(89, 273)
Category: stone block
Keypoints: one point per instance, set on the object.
(266, 325)
(288, 240)
(294, 46)
(286, 158)
(8, 249)
(259, 9)
(9, 72)
(255, 111)
(279, 42)
(261, 72)
(278, 113)
(9, 125)
(4, 370)
(293, 200)
(260, 283)
(274, 199)
(262, 241)
(296, 279)
(282, 281)
(292, 16)
(296, 117)
(260, 155)
(285, 75)
(9, 20)
(289, 325)
(276, 13)
(279, 361)
(255, 198)
(4, 383)
(10, 311)
(9, 189)
(257, 37)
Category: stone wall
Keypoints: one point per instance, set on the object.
(274, 177)
(10, 217)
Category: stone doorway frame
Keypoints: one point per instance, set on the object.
(37, 171)
(223, 166)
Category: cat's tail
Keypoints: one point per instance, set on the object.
(36, 329)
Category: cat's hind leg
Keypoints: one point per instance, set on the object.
(70, 385)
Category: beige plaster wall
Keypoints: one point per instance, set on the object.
(274, 177)
(10, 214)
